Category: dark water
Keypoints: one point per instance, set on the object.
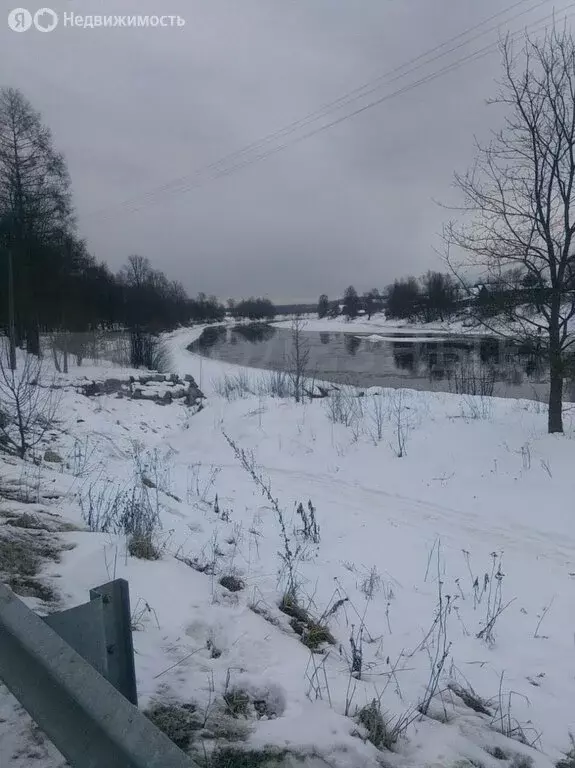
(472, 365)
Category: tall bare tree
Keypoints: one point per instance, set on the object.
(137, 272)
(35, 201)
(519, 195)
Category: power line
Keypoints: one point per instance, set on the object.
(476, 55)
(405, 89)
(183, 185)
(432, 76)
(351, 96)
(338, 103)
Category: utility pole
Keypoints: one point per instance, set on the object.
(68, 247)
(11, 323)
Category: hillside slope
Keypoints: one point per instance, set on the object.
(441, 575)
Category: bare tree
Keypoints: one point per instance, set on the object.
(401, 418)
(137, 272)
(372, 302)
(35, 204)
(323, 306)
(351, 303)
(298, 358)
(439, 297)
(519, 194)
(28, 406)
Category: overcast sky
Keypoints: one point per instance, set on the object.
(135, 110)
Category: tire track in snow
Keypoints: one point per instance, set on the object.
(413, 513)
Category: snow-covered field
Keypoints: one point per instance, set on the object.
(444, 563)
(461, 325)
(380, 325)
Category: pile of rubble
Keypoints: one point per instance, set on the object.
(157, 387)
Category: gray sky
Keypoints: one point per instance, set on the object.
(135, 109)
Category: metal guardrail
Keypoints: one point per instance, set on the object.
(74, 674)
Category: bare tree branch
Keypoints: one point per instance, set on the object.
(28, 405)
(517, 226)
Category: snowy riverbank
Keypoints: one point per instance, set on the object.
(445, 545)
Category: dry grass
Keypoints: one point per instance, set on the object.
(569, 760)
(143, 547)
(22, 555)
(178, 721)
(313, 634)
(231, 757)
(232, 583)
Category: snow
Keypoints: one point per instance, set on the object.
(480, 485)
(380, 324)
(459, 325)
(374, 337)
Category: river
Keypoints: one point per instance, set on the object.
(431, 361)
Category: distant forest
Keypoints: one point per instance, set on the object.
(438, 296)
(49, 281)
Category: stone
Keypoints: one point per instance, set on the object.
(90, 390)
(111, 386)
(157, 378)
(52, 457)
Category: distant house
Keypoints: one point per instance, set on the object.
(341, 310)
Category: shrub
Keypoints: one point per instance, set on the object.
(470, 699)
(230, 757)
(177, 721)
(372, 720)
(234, 387)
(467, 380)
(310, 530)
(312, 633)
(238, 702)
(28, 406)
(148, 351)
(384, 733)
(569, 760)
(143, 547)
(275, 384)
(343, 407)
(129, 513)
(232, 583)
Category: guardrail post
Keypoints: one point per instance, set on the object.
(83, 629)
(87, 719)
(115, 598)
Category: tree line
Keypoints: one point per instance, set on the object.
(438, 296)
(352, 304)
(434, 296)
(49, 281)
